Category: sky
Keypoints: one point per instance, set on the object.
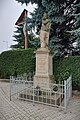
(9, 13)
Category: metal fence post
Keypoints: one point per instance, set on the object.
(33, 94)
(10, 87)
(71, 86)
(65, 95)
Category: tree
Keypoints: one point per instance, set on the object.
(33, 41)
(76, 29)
(60, 13)
(19, 37)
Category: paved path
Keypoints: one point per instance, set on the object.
(23, 110)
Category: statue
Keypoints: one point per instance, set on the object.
(45, 30)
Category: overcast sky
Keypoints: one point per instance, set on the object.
(9, 13)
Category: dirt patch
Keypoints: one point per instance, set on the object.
(76, 94)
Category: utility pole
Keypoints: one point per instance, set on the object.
(6, 43)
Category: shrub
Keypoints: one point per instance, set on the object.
(16, 61)
(66, 66)
(23, 61)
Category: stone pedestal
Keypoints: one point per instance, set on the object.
(43, 68)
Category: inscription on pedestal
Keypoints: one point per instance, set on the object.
(42, 64)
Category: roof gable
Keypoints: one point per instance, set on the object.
(21, 18)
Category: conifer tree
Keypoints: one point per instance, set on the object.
(61, 14)
(18, 37)
(33, 41)
(76, 29)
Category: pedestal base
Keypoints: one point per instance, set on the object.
(43, 68)
(42, 81)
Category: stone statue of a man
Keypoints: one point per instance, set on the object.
(45, 30)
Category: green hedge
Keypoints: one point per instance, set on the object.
(23, 61)
(69, 65)
(16, 62)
